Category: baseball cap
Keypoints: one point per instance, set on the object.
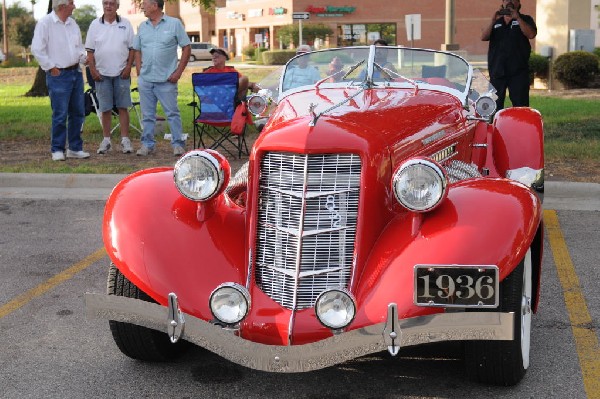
(303, 48)
(219, 51)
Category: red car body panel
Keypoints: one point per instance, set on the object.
(163, 242)
(307, 218)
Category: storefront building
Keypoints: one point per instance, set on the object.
(242, 23)
(199, 24)
(236, 24)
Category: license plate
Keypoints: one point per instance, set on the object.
(456, 286)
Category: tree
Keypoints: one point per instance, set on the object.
(84, 16)
(13, 12)
(289, 34)
(39, 88)
(23, 28)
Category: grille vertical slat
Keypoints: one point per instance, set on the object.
(322, 191)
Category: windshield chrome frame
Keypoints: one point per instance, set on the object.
(368, 82)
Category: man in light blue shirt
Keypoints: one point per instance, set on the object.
(158, 72)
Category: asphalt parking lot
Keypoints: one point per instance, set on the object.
(51, 254)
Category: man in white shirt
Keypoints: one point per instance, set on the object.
(110, 56)
(58, 48)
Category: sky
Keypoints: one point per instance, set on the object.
(41, 6)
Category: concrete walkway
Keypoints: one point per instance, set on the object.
(558, 195)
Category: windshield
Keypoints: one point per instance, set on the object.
(377, 66)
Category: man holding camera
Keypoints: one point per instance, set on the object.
(508, 56)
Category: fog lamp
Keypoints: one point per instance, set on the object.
(229, 303)
(335, 308)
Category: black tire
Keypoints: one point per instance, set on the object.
(505, 362)
(138, 342)
(192, 58)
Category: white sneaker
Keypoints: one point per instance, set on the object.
(126, 145)
(178, 150)
(104, 146)
(77, 154)
(58, 156)
(143, 151)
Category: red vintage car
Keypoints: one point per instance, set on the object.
(385, 204)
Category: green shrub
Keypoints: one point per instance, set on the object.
(597, 51)
(15, 61)
(277, 57)
(259, 51)
(538, 67)
(248, 51)
(576, 69)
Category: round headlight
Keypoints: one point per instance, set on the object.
(201, 174)
(335, 308)
(229, 303)
(419, 185)
(257, 104)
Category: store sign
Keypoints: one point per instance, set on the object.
(255, 12)
(277, 11)
(235, 15)
(330, 11)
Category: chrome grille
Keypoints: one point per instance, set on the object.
(307, 212)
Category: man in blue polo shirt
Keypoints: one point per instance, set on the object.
(158, 72)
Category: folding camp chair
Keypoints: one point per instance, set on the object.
(91, 106)
(214, 104)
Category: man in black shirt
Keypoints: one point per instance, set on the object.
(508, 57)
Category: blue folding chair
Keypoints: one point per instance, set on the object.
(214, 104)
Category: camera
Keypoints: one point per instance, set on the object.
(505, 11)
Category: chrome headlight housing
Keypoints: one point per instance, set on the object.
(485, 106)
(230, 303)
(201, 174)
(335, 308)
(257, 104)
(420, 184)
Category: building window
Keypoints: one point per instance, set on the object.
(365, 34)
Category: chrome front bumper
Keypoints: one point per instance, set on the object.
(390, 335)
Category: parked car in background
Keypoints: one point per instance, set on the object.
(385, 205)
(200, 51)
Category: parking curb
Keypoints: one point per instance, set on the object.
(558, 195)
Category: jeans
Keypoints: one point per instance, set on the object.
(68, 113)
(166, 93)
(113, 92)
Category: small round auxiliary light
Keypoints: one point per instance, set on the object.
(257, 104)
(335, 308)
(229, 303)
(485, 106)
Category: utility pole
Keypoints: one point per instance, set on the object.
(4, 33)
(449, 44)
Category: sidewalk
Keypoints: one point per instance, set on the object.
(97, 187)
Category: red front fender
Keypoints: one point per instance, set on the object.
(153, 235)
(482, 222)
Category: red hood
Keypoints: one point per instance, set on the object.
(399, 118)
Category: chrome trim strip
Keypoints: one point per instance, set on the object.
(445, 153)
(297, 358)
